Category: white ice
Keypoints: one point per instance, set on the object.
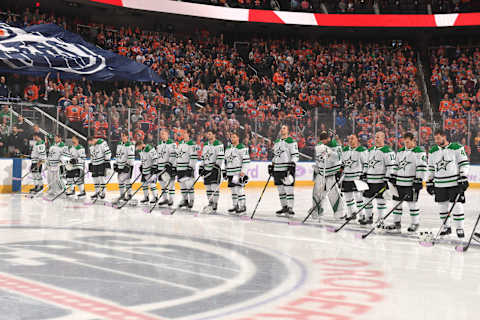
(324, 275)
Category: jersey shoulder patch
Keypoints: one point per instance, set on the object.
(386, 149)
(347, 148)
(333, 143)
(216, 143)
(402, 149)
(99, 141)
(433, 149)
(240, 146)
(79, 147)
(277, 141)
(418, 149)
(169, 141)
(128, 144)
(61, 144)
(289, 140)
(361, 149)
(190, 143)
(147, 148)
(454, 146)
(371, 148)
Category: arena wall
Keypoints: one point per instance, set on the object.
(11, 171)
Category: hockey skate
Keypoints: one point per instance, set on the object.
(290, 212)
(154, 201)
(280, 212)
(364, 221)
(190, 205)
(396, 227)
(315, 212)
(163, 202)
(241, 210)
(413, 227)
(233, 210)
(71, 192)
(145, 200)
(183, 204)
(460, 233)
(446, 231)
(476, 236)
(95, 196)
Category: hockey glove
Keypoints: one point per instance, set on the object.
(463, 183)
(107, 165)
(363, 177)
(292, 168)
(338, 175)
(392, 180)
(73, 161)
(430, 188)
(90, 167)
(270, 169)
(224, 174)
(169, 168)
(201, 170)
(190, 172)
(115, 168)
(62, 170)
(417, 185)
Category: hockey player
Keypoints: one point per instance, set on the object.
(100, 156)
(148, 168)
(354, 158)
(327, 172)
(379, 168)
(125, 159)
(57, 156)
(408, 174)
(285, 156)
(167, 156)
(213, 155)
(38, 156)
(76, 168)
(185, 164)
(237, 159)
(448, 166)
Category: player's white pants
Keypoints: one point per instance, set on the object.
(166, 182)
(55, 183)
(457, 213)
(238, 196)
(381, 208)
(99, 183)
(151, 183)
(186, 189)
(354, 202)
(413, 209)
(213, 193)
(124, 183)
(286, 195)
(37, 179)
(320, 189)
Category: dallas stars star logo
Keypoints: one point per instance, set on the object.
(181, 154)
(348, 163)
(278, 152)
(403, 164)
(230, 158)
(207, 155)
(443, 164)
(372, 163)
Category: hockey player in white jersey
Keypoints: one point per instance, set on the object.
(379, 168)
(448, 166)
(327, 172)
(213, 155)
(354, 159)
(57, 156)
(408, 175)
(167, 156)
(38, 157)
(186, 161)
(100, 156)
(149, 169)
(123, 166)
(283, 167)
(237, 159)
(76, 168)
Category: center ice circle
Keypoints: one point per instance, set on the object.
(172, 276)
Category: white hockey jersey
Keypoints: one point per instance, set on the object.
(328, 157)
(213, 154)
(354, 161)
(410, 164)
(186, 155)
(167, 153)
(236, 159)
(446, 165)
(125, 154)
(284, 152)
(78, 153)
(100, 152)
(149, 158)
(57, 155)
(39, 152)
(380, 164)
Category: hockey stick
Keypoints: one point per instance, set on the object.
(431, 243)
(65, 190)
(333, 229)
(20, 179)
(379, 220)
(134, 193)
(114, 203)
(193, 185)
(464, 248)
(102, 189)
(258, 202)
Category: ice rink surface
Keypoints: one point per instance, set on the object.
(67, 260)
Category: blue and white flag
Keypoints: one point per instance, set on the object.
(40, 49)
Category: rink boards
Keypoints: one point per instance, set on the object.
(11, 171)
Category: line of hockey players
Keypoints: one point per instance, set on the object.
(340, 174)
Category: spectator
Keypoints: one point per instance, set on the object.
(4, 90)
